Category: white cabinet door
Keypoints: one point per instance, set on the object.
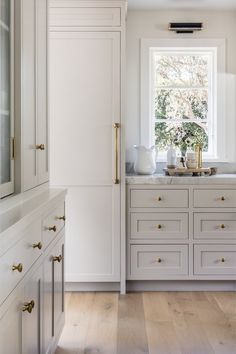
(34, 92)
(11, 327)
(84, 105)
(32, 315)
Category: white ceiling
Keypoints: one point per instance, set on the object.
(182, 4)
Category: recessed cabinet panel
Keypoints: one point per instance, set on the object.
(159, 198)
(158, 226)
(85, 103)
(84, 16)
(215, 259)
(214, 198)
(150, 261)
(215, 226)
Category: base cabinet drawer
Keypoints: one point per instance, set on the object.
(156, 226)
(214, 198)
(150, 261)
(215, 226)
(215, 259)
(159, 198)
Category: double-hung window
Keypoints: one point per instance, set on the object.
(182, 94)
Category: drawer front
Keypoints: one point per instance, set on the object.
(215, 226)
(155, 226)
(84, 17)
(53, 223)
(215, 259)
(148, 261)
(159, 198)
(22, 253)
(215, 198)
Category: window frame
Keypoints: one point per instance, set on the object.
(8, 187)
(147, 123)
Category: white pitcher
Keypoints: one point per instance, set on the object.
(145, 162)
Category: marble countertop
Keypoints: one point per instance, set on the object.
(227, 179)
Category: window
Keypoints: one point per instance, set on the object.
(180, 96)
(6, 97)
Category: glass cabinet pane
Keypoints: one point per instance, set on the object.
(5, 91)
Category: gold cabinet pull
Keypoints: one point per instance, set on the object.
(222, 226)
(116, 127)
(28, 306)
(222, 260)
(222, 198)
(158, 260)
(40, 147)
(158, 199)
(52, 228)
(62, 218)
(57, 258)
(18, 267)
(38, 245)
(159, 226)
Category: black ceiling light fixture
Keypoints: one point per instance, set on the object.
(185, 27)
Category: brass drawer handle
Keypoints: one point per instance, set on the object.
(222, 226)
(62, 218)
(18, 267)
(158, 260)
(159, 226)
(222, 260)
(52, 228)
(40, 147)
(28, 306)
(158, 199)
(38, 245)
(57, 258)
(222, 198)
(116, 126)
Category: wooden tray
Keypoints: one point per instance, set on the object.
(187, 171)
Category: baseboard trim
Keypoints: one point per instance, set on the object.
(160, 285)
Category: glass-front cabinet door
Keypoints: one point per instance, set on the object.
(6, 97)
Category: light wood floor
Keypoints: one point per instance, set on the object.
(152, 323)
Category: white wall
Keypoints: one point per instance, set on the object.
(154, 24)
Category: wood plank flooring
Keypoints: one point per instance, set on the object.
(151, 323)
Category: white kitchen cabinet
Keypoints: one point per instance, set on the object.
(86, 124)
(31, 106)
(32, 270)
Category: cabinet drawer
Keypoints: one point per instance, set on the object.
(159, 198)
(215, 259)
(148, 261)
(215, 198)
(215, 226)
(84, 17)
(159, 226)
(22, 253)
(53, 223)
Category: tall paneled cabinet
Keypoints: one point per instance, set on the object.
(31, 92)
(87, 47)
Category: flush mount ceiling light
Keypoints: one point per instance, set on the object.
(185, 27)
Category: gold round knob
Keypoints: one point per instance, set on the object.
(52, 228)
(222, 260)
(18, 267)
(158, 199)
(38, 245)
(40, 147)
(158, 226)
(222, 198)
(222, 226)
(159, 260)
(57, 258)
(62, 218)
(28, 306)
